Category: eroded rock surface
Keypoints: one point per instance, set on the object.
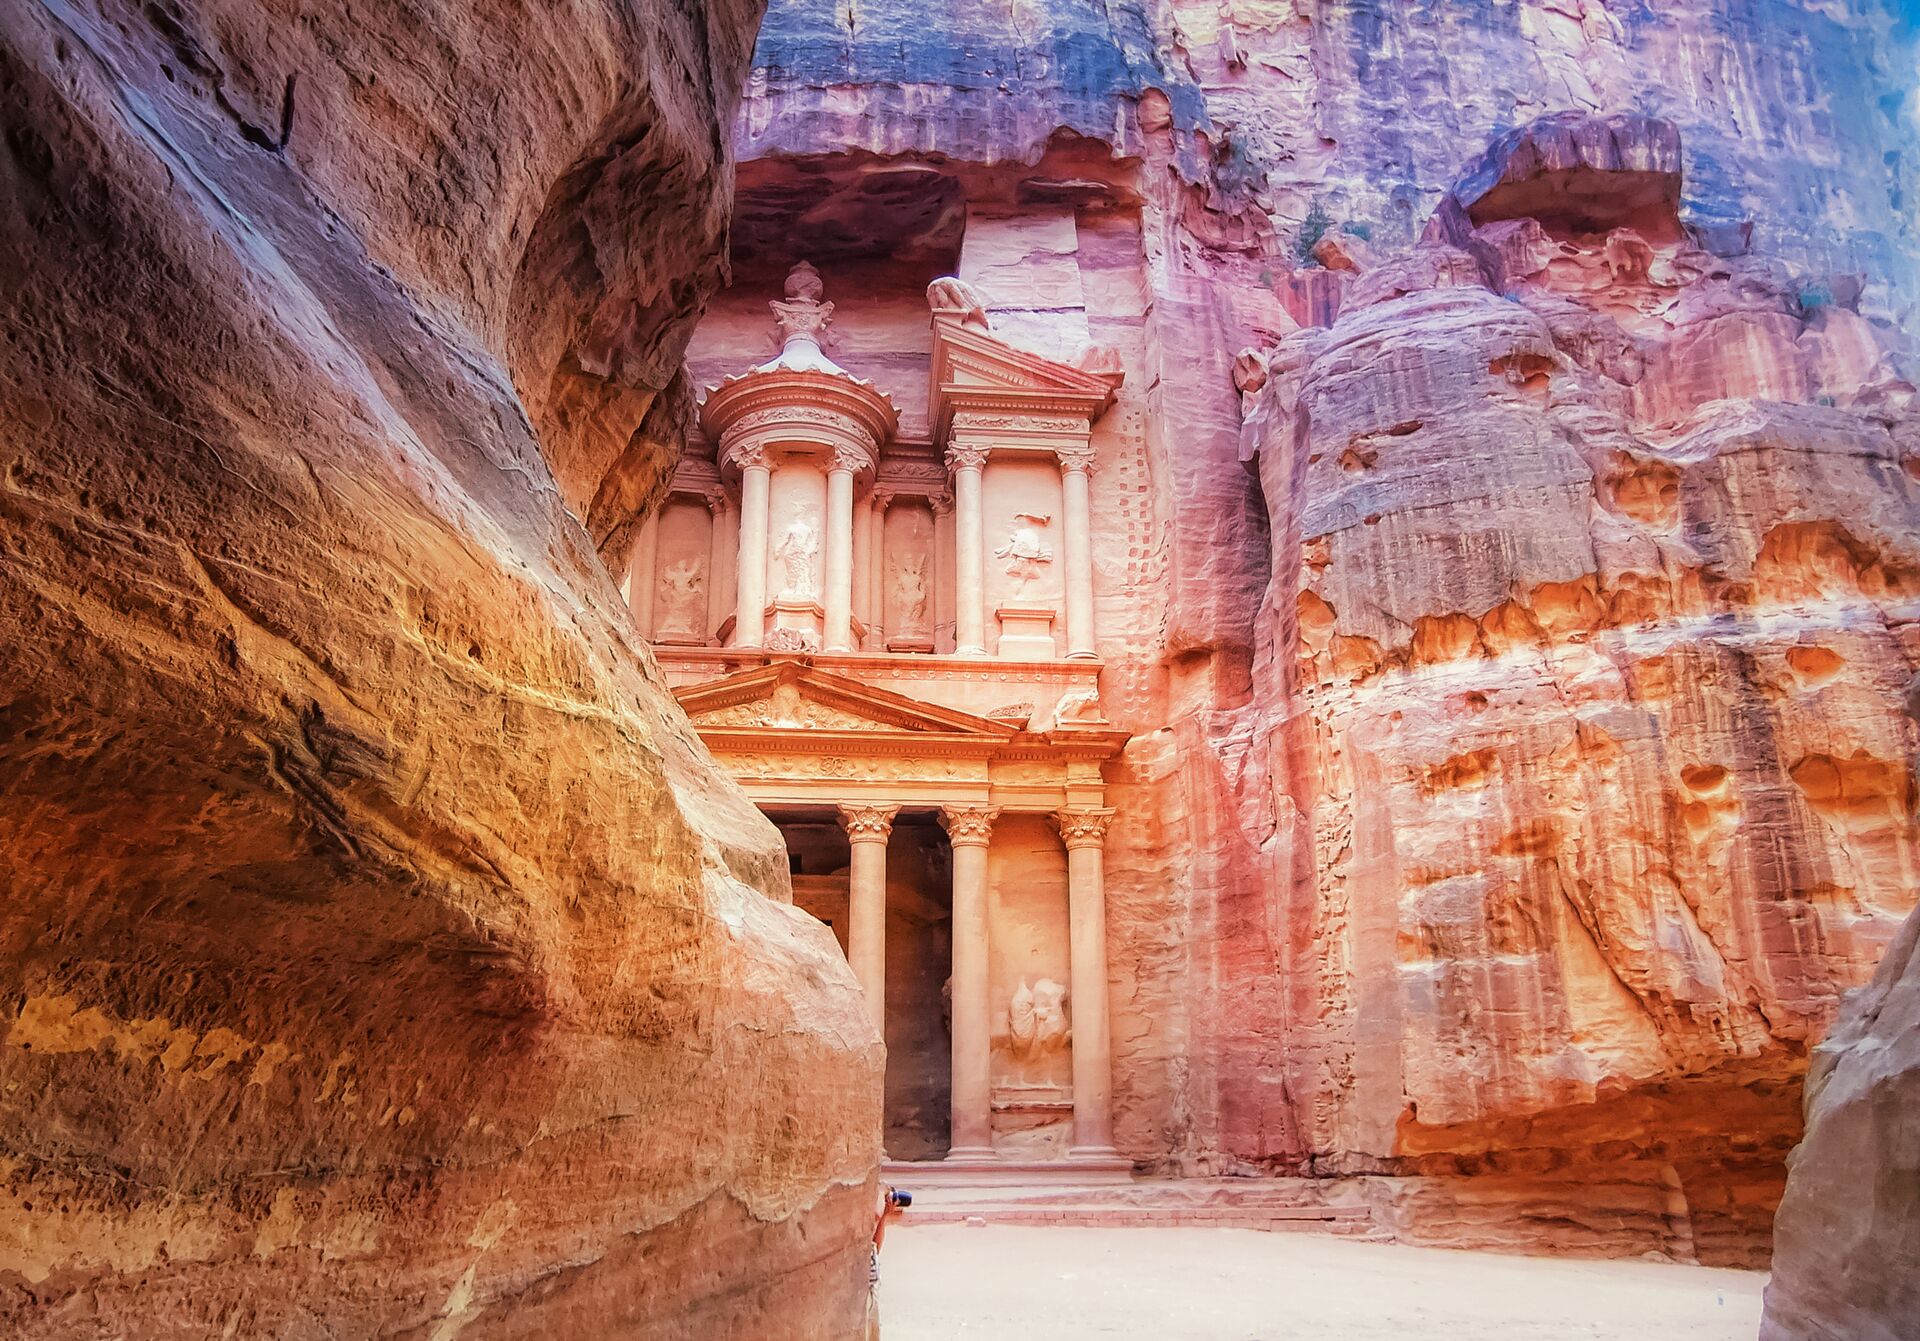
(1595, 567)
(380, 954)
(1848, 1231)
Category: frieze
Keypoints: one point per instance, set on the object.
(867, 768)
(980, 421)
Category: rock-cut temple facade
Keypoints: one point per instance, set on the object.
(883, 624)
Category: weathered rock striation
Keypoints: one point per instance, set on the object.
(1848, 1231)
(1596, 556)
(380, 954)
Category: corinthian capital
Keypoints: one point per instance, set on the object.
(969, 824)
(966, 458)
(850, 459)
(1075, 460)
(867, 821)
(745, 456)
(1082, 828)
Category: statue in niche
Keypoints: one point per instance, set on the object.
(910, 593)
(683, 597)
(1037, 1019)
(797, 552)
(1024, 551)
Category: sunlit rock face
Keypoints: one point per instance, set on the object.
(379, 952)
(1594, 561)
(1509, 640)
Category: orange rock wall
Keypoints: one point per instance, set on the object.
(1590, 620)
(376, 940)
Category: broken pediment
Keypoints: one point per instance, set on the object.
(977, 370)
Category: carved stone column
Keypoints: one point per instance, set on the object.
(867, 829)
(1077, 523)
(1084, 831)
(839, 549)
(642, 576)
(750, 612)
(716, 501)
(943, 557)
(971, 828)
(863, 596)
(877, 503)
(970, 552)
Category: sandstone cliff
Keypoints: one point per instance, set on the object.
(1595, 567)
(380, 953)
(1517, 793)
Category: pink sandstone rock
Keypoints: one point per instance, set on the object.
(381, 953)
(1672, 433)
(1848, 1231)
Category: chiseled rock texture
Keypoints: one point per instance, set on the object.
(380, 954)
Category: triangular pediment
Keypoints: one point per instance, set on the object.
(966, 356)
(971, 365)
(790, 695)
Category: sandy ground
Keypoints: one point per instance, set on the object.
(946, 1281)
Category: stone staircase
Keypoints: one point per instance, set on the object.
(1041, 1194)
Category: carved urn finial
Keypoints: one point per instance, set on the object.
(803, 284)
(801, 316)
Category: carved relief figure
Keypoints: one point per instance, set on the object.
(910, 593)
(796, 552)
(683, 596)
(1037, 1019)
(1024, 550)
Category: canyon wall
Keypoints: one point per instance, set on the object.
(1596, 564)
(377, 942)
(1514, 789)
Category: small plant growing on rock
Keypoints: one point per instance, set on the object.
(1312, 229)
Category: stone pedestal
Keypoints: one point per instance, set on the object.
(794, 624)
(1026, 633)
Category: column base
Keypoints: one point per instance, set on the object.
(969, 651)
(1083, 654)
(972, 1154)
(1103, 1157)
